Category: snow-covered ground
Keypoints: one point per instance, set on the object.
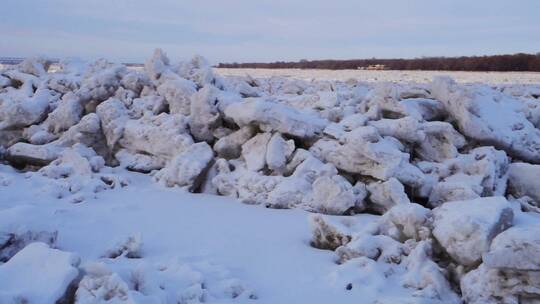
(180, 184)
(393, 76)
(264, 252)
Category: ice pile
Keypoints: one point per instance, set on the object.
(450, 167)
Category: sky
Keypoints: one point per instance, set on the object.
(263, 31)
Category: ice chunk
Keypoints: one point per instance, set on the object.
(478, 111)
(230, 146)
(326, 234)
(188, 168)
(491, 286)
(271, 116)
(465, 229)
(37, 274)
(335, 195)
(517, 248)
(385, 195)
(523, 180)
(278, 152)
(407, 221)
(205, 116)
(365, 152)
(254, 151)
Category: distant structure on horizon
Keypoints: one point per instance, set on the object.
(373, 67)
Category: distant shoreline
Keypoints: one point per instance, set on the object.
(497, 63)
(377, 71)
(17, 60)
(269, 68)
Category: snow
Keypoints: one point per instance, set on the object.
(267, 248)
(393, 76)
(405, 191)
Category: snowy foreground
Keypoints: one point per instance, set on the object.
(169, 184)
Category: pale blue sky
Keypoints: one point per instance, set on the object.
(251, 30)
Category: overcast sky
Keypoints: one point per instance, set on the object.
(252, 30)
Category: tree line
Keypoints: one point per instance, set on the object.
(502, 63)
